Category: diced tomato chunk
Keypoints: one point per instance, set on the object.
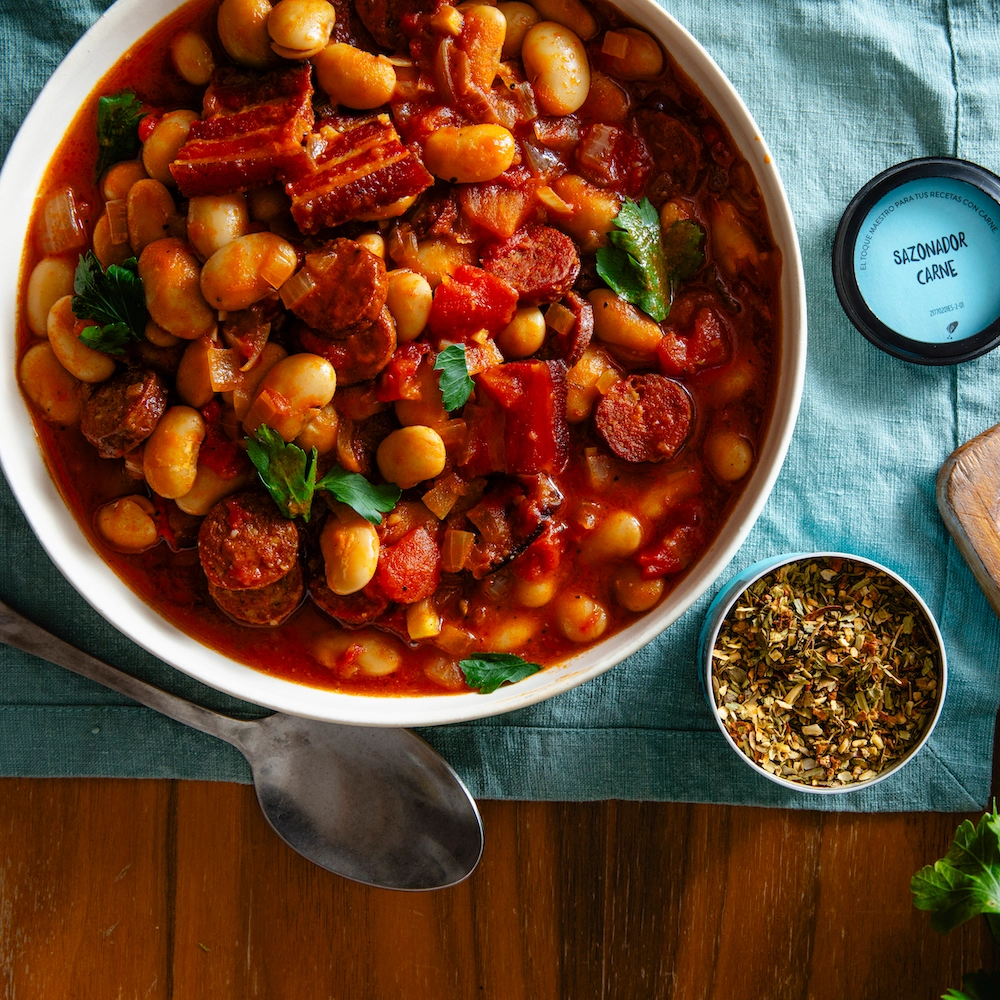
(677, 545)
(410, 569)
(469, 301)
(219, 452)
(706, 346)
(542, 557)
(399, 377)
(518, 422)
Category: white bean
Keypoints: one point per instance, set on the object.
(51, 279)
(580, 617)
(350, 548)
(49, 386)
(299, 29)
(519, 16)
(215, 220)
(631, 54)
(170, 455)
(411, 455)
(242, 28)
(192, 57)
(161, 145)
(246, 270)
(362, 652)
(469, 154)
(555, 63)
(303, 382)
(618, 535)
(170, 273)
(524, 334)
(208, 489)
(82, 362)
(127, 524)
(570, 14)
(409, 300)
(353, 77)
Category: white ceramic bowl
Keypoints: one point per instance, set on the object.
(117, 30)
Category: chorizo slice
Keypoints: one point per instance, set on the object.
(245, 544)
(122, 412)
(339, 290)
(644, 418)
(540, 262)
(359, 357)
(570, 344)
(269, 605)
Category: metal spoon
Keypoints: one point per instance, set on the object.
(375, 805)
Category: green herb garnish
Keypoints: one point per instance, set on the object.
(643, 265)
(962, 885)
(456, 385)
(487, 671)
(289, 474)
(976, 986)
(115, 298)
(118, 119)
(966, 881)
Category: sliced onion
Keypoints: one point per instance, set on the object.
(296, 288)
(596, 150)
(455, 549)
(117, 215)
(63, 226)
(541, 161)
(559, 318)
(224, 369)
(615, 45)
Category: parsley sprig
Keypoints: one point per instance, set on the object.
(118, 117)
(487, 671)
(961, 885)
(643, 265)
(115, 299)
(456, 384)
(289, 474)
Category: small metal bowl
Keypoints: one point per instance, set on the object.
(723, 606)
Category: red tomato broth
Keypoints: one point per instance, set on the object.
(173, 582)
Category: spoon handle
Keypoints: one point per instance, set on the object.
(17, 631)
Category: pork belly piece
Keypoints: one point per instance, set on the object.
(251, 132)
(361, 170)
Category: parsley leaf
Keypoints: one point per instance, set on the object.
(456, 385)
(643, 265)
(980, 985)
(371, 502)
(111, 339)
(285, 469)
(289, 474)
(487, 671)
(117, 128)
(966, 881)
(115, 298)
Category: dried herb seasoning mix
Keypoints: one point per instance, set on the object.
(826, 672)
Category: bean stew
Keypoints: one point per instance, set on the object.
(400, 347)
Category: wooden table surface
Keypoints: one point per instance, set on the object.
(168, 889)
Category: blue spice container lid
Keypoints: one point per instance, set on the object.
(916, 261)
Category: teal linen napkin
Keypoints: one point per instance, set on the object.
(840, 91)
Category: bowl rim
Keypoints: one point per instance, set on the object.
(120, 27)
(718, 612)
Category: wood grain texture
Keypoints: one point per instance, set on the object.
(968, 496)
(163, 890)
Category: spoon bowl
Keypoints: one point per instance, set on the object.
(377, 806)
